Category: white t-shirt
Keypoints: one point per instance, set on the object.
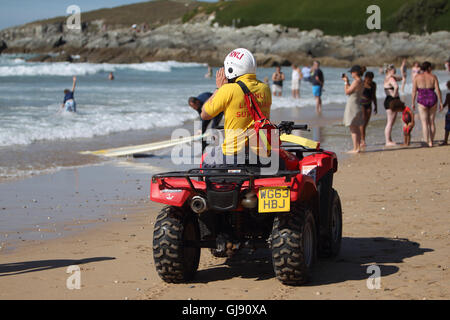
(295, 76)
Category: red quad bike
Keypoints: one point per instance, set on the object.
(295, 212)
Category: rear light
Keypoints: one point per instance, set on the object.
(223, 187)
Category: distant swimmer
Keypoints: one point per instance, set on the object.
(209, 73)
(111, 76)
(69, 101)
(277, 78)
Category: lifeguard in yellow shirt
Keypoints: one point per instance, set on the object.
(239, 65)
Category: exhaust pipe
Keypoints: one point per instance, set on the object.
(198, 204)
(250, 200)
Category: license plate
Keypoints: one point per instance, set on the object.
(274, 199)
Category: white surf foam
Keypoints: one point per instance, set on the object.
(18, 67)
(23, 129)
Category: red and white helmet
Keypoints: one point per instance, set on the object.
(239, 62)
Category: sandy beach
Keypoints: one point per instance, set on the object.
(98, 98)
(396, 215)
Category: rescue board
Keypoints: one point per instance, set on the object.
(130, 150)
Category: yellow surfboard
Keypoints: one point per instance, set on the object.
(129, 150)
(311, 144)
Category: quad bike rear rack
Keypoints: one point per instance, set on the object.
(244, 173)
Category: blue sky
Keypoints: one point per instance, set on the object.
(17, 12)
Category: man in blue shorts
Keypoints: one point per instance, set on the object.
(317, 81)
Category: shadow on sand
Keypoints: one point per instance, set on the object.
(351, 264)
(9, 269)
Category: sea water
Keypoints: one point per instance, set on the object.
(144, 100)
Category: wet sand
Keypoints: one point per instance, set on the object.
(396, 215)
(86, 189)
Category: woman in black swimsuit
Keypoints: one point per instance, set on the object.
(392, 103)
(368, 97)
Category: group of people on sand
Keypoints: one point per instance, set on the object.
(312, 74)
(426, 95)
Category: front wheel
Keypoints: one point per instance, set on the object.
(294, 245)
(174, 252)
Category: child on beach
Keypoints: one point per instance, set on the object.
(447, 116)
(408, 120)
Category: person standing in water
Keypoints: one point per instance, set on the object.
(306, 73)
(415, 70)
(277, 78)
(209, 73)
(404, 74)
(296, 78)
(317, 81)
(69, 100)
(425, 87)
(353, 114)
(369, 96)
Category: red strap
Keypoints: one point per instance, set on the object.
(251, 101)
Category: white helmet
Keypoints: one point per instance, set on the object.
(238, 62)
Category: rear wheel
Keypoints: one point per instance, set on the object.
(331, 240)
(294, 245)
(175, 234)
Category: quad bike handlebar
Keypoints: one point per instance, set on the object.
(284, 127)
(288, 126)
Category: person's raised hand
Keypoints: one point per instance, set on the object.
(221, 79)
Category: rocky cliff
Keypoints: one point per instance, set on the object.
(203, 42)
